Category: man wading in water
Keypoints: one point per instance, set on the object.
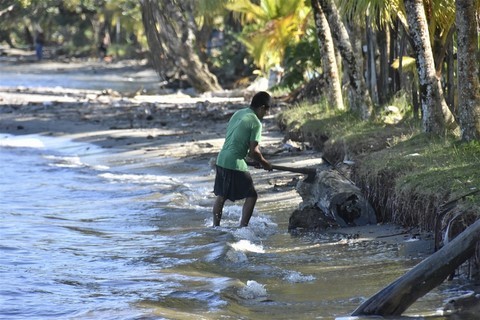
(232, 180)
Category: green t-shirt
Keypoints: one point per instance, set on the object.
(243, 127)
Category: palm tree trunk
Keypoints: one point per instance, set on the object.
(468, 83)
(325, 43)
(359, 99)
(371, 64)
(171, 34)
(395, 52)
(383, 40)
(436, 114)
(450, 76)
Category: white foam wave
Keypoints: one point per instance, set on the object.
(259, 227)
(21, 142)
(247, 246)
(65, 145)
(100, 167)
(140, 178)
(199, 197)
(252, 290)
(297, 277)
(65, 162)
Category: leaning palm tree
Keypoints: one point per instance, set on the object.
(172, 33)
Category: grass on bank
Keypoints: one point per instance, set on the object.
(407, 175)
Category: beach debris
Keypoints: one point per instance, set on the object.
(331, 200)
(395, 298)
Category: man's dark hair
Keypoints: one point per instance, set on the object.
(261, 98)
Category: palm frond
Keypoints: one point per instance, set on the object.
(382, 13)
(408, 64)
(247, 11)
(273, 26)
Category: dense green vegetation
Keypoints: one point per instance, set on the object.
(74, 28)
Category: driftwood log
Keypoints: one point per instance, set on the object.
(394, 299)
(331, 198)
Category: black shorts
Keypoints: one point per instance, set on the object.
(233, 184)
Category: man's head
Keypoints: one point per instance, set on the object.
(261, 103)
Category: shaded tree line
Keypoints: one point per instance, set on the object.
(359, 42)
(365, 51)
(73, 27)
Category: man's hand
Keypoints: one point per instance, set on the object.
(256, 154)
(260, 164)
(267, 166)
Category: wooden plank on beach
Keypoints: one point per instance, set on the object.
(394, 299)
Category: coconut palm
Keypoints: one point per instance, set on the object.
(359, 98)
(468, 84)
(412, 15)
(435, 110)
(327, 51)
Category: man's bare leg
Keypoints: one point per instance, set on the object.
(247, 211)
(217, 210)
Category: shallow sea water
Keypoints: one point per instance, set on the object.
(81, 239)
(87, 234)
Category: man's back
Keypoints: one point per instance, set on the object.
(243, 127)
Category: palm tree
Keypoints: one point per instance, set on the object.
(327, 51)
(412, 15)
(468, 83)
(435, 113)
(359, 98)
(378, 17)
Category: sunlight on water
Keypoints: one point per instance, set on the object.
(98, 81)
(141, 178)
(14, 142)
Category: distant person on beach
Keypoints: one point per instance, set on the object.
(103, 47)
(232, 180)
(39, 43)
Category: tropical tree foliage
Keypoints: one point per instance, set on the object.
(270, 27)
(74, 26)
(428, 25)
(264, 33)
(435, 111)
(172, 34)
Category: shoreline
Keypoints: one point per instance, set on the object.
(188, 132)
(176, 125)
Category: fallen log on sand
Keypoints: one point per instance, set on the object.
(394, 299)
(331, 200)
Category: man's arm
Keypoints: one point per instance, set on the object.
(256, 155)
